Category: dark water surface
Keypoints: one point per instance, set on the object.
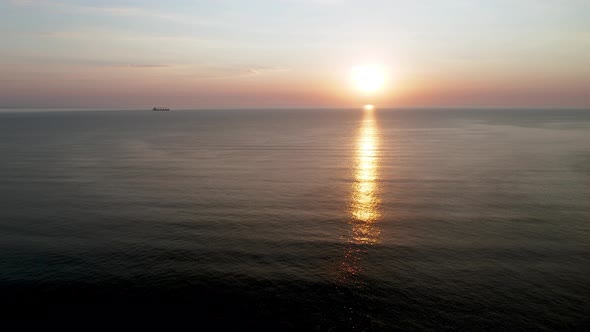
(300, 219)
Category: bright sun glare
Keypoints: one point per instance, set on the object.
(368, 78)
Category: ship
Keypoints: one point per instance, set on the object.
(160, 109)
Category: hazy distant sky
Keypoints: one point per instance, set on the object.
(293, 53)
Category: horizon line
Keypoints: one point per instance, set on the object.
(90, 108)
(139, 108)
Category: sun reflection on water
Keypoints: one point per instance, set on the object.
(365, 200)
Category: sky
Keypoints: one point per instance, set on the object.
(293, 53)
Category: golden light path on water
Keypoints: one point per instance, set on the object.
(365, 199)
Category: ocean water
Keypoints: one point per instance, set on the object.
(442, 219)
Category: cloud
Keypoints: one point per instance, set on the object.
(9, 60)
(139, 65)
(265, 70)
(205, 73)
(118, 11)
(102, 35)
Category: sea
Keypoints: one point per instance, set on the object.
(298, 219)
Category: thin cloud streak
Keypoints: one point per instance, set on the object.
(119, 11)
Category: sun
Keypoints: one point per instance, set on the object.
(368, 78)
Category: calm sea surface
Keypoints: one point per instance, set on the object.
(301, 219)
